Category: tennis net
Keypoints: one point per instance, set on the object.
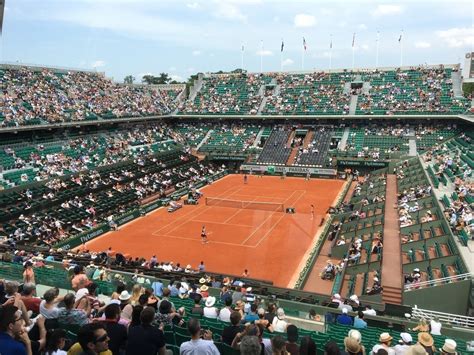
(248, 205)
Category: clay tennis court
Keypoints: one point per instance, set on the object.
(269, 243)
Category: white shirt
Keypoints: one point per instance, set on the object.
(400, 349)
(210, 312)
(198, 347)
(435, 327)
(224, 314)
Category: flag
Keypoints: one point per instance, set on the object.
(304, 43)
(243, 48)
(353, 39)
(330, 44)
(400, 39)
(282, 46)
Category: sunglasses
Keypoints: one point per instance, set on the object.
(102, 338)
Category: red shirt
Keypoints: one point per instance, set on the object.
(31, 303)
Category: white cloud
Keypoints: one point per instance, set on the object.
(422, 44)
(196, 53)
(172, 68)
(287, 61)
(264, 52)
(362, 26)
(98, 64)
(228, 11)
(193, 5)
(176, 77)
(387, 9)
(457, 37)
(305, 20)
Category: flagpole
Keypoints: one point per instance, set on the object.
(330, 54)
(242, 58)
(353, 50)
(377, 50)
(302, 58)
(281, 56)
(261, 57)
(401, 49)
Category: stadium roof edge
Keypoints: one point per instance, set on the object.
(467, 118)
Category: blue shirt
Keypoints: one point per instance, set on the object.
(157, 287)
(359, 323)
(174, 292)
(251, 317)
(9, 346)
(344, 319)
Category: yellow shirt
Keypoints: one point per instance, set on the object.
(76, 349)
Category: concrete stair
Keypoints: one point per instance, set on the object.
(392, 295)
(292, 158)
(353, 104)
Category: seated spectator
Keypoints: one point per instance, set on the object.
(404, 343)
(251, 316)
(344, 318)
(210, 311)
(48, 306)
(291, 340)
(125, 305)
(28, 297)
(56, 342)
(91, 339)
(117, 332)
(197, 309)
(359, 322)
(198, 345)
(70, 315)
(224, 313)
(11, 328)
(384, 343)
(427, 341)
(352, 346)
(279, 346)
(449, 347)
(307, 346)
(229, 332)
(146, 339)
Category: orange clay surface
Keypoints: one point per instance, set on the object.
(269, 244)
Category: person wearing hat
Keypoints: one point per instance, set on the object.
(355, 334)
(352, 346)
(426, 340)
(385, 339)
(125, 306)
(416, 349)
(210, 311)
(449, 347)
(279, 322)
(404, 343)
(344, 318)
(204, 291)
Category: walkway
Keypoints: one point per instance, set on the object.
(345, 137)
(392, 257)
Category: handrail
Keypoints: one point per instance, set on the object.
(422, 284)
(454, 319)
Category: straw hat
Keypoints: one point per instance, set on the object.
(385, 337)
(351, 345)
(248, 289)
(124, 296)
(355, 334)
(204, 288)
(425, 339)
(210, 301)
(416, 350)
(202, 280)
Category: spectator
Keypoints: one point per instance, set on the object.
(449, 347)
(210, 311)
(48, 306)
(79, 279)
(11, 327)
(359, 321)
(426, 340)
(435, 326)
(307, 346)
(291, 340)
(198, 346)
(404, 343)
(125, 305)
(224, 313)
(252, 316)
(117, 332)
(71, 316)
(229, 332)
(91, 339)
(146, 339)
(56, 341)
(279, 322)
(352, 346)
(331, 348)
(197, 309)
(279, 346)
(28, 274)
(384, 343)
(31, 302)
(344, 318)
(250, 345)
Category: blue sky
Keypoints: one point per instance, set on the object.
(140, 37)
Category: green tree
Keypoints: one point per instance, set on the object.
(149, 79)
(129, 79)
(163, 78)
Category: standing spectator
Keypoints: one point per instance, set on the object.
(279, 322)
(29, 274)
(435, 326)
(198, 346)
(146, 339)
